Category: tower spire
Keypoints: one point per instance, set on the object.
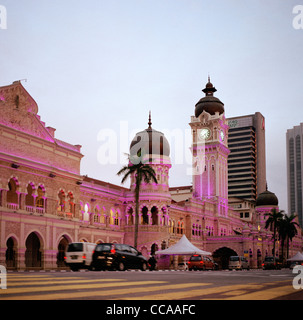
(149, 120)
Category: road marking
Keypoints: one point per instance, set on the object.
(78, 287)
(29, 283)
(115, 293)
(266, 294)
(34, 287)
(197, 293)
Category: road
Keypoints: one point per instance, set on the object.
(152, 285)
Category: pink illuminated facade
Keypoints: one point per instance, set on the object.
(45, 202)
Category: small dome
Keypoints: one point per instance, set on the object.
(151, 142)
(267, 198)
(209, 103)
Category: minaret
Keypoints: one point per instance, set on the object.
(210, 150)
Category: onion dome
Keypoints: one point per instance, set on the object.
(149, 141)
(209, 103)
(267, 198)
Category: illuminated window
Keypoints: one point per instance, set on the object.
(40, 201)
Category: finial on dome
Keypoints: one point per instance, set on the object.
(209, 88)
(149, 121)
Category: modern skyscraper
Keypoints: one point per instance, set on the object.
(246, 161)
(294, 138)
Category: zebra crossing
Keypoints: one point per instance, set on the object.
(52, 287)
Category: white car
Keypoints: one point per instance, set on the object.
(182, 266)
(79, 255)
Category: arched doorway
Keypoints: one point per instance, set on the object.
(33, 253)
(61, 252)
(221, 256)
(11, 253)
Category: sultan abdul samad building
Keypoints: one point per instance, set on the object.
(45, 202)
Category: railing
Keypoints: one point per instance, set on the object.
(13, 206)
(30, 209)
(67, 215)
(146, 227)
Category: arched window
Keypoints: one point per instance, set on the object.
(97, 214)
(112, 217)
(179, 227)
(154, 213)
(61, 202)
(116, 218)
(71, 203)
(86, 212)
(102, 215)
(130, 216)
(40, 201)
(12, 195)
(144, 219)
(182, 227)
(29, 198)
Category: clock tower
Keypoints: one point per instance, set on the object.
(210, 150)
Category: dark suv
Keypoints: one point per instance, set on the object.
(269, 263)
(116, 256)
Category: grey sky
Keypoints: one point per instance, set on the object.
(90, 65)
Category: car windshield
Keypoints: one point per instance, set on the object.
(195, 258)
(103, 247)
(234, 258)
(75, 247)
(269, 259)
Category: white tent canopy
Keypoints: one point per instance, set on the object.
(297, 257)
(183, 247)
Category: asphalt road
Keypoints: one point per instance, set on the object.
(152, 285)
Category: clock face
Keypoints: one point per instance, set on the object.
(204, 133)
(222, 135)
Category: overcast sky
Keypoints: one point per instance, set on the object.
(97, 67)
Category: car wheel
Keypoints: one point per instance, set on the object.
(121, 266)
(74, 268)
(144, 266)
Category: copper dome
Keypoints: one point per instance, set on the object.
(267, 198)
(209, 103)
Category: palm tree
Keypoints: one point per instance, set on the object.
(282, 231)
(290, 229)
(273, 221)
(141, 171)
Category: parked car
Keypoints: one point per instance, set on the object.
(269, 263)
(79, 255)
(293, 264)
(238, 263)
(182, 266)
(115, 256)
(199, 262)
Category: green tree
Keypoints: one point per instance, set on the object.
(273, 221)
(141, 171)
